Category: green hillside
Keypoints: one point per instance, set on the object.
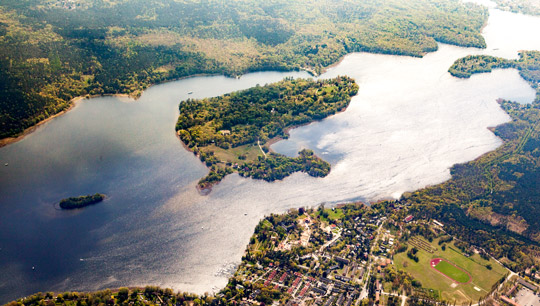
(55, 50)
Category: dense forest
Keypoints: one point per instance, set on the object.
(493, 201)
(231, 132)
(55, 50)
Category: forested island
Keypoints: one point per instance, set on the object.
(55, 51)
(233, 132)
(81, 201)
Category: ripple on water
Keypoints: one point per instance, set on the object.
(408, 124)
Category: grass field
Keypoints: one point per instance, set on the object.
(451, 271)
(335, 214)
(251, 152)
(481, 278)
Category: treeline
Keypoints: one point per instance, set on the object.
(53, 51)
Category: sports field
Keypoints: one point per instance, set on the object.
(450, 270)
(460, 279)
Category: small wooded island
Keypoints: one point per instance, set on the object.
(233, 132)
(81, 201)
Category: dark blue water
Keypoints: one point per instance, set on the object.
(123, 148)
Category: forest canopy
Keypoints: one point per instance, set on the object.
(55, 50)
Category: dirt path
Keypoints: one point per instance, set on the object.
(259, 144)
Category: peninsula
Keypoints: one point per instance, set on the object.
(81, 201)
(233, 132)
(528, 65)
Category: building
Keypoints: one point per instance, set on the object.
(527, 285)
(437, 223)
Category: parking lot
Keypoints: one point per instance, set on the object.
(526, 297)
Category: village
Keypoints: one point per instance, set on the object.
(354, 255)
(336, 267)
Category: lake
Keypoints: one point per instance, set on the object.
(410, 122)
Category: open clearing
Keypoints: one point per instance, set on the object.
(459, 289)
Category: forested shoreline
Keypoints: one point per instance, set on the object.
(230, 133)
(54, 51)
(492, 202)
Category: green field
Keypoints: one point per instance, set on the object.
(452, 271)
(481, 277)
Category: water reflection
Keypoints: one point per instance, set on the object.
(409, 123)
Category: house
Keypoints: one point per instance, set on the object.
(408, 219)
